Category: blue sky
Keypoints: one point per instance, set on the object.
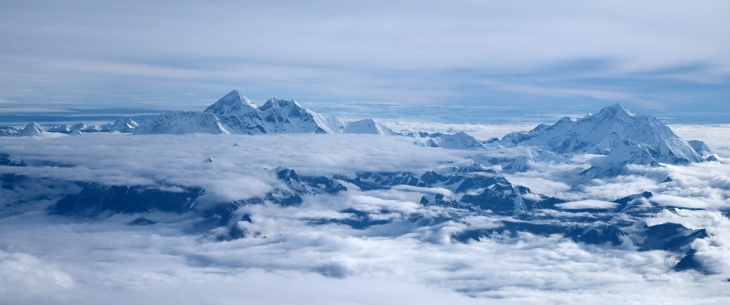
(455, 60)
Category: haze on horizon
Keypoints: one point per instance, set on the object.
(367, 57)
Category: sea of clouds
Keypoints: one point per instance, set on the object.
(60, 260)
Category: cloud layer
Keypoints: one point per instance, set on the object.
(108, 261)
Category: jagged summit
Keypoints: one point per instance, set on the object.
(605, 131)
(124, 125)
(232, 103)
(31, 129)
(235, 114)
(459, 140)
(274, 103)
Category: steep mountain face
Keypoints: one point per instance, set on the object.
(460, 140)
(282, 116)
(368, 126)
(232, 104)
(31, 129)
(471, 187)
(96, 199)
(606, 131)
(183, 122)
(236, 114)
(125, 125)
(700, 147)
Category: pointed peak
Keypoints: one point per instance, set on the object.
(233, 94)
(31, 129)
(127, 121)
(617, 109)
(33, 125)
(124, 125)
(270, 103)
(232, 103)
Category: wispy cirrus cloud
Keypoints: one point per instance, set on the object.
(652, 55)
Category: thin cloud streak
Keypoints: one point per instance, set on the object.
(365, 51)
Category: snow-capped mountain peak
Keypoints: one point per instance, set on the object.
(459, 140)
(367, 126)
(283, 106)
(615, 110)
(236, 114)
(603, 132)
(232, 103)
(124, 125)
(31, 129)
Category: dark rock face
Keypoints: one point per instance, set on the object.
(96, 199)
(141, 221)
(595, 235)
(670, 237)
(479, 188)
(309, 185)
(690, 262)
(358, 220)
(462, 191)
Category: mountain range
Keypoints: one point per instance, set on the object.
(619, 137)
(236, 114)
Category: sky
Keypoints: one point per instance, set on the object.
(455, 61)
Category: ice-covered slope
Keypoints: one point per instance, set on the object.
(123, 125)
(460, 140)
(605, 131)
(183, 122)
(238, 115)
(232, 104)
(700, 147)
(368, 126)
(31, 129)
(282, 116)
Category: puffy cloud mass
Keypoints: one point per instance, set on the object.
(59, 260)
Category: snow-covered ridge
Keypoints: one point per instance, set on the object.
(231, 114)
(125, 125)
(236, 114)
(609, 132)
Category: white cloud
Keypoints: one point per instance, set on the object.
(586, 204)
(108, 261)
(24, 277)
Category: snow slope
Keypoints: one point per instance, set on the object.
(184, 122)
(31, 129)
(367, 126)
(236, 114)
(606, 131)
(460, 140)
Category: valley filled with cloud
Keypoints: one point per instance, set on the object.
(367, 234)
(371, 152)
